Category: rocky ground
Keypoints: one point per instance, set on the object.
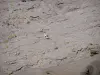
(45, 33)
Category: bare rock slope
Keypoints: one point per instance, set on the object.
(45, 33)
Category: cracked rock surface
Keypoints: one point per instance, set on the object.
(45, 33)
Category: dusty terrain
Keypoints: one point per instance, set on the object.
(45, 33)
